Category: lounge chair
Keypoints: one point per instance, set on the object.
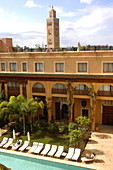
(46, 149)
(39, 148)
(53, 150)
(76, 154)
(16, 146)
(24, 146)
(3, 141)
(33, 148)
(59, 152)
(70, 153)
(10, 141)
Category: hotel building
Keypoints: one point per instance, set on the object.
(44, 75)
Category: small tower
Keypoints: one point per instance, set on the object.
(52, 30)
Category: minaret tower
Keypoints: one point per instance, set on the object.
(52, 30)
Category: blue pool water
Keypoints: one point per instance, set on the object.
(16, 162)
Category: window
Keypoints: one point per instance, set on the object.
(13, 84)
(59, 67)
(2, 65)
(82, 67)
(39, 67)
(13, 66)
(108, 67)
(24, 66)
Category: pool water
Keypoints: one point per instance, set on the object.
(16, 162)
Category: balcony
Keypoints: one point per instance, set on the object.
(38, 90)
(81, 92)
(105, 93)
(59, 91)
(14, 91)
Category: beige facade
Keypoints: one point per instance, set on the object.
(45, 74)
(52, 30)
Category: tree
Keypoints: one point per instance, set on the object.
(4, 112)
(29, 108)
(92, 95)
(70, 91)
(2, 96)
(14, 109)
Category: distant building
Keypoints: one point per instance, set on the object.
(52, 30)
(5, 45)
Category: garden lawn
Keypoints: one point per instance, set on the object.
(42, 136)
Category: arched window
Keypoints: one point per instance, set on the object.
(81, 89)
(38, 88)
(106, 90)
(59, 89)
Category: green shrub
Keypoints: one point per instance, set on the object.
(53, 128)
(83, 121)
(75, 136)
(72, 126)
(35, 125)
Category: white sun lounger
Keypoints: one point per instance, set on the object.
(16, 146)
(10, 141)
(24, 146)
(39, 148)
(53, 150)
(5, 139)
(76, 154)
(35, 144)
(70, 153)
(59, 152)
(46, 149)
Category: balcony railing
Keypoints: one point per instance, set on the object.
(14, 89)
(105, 93)
(59, 91)
(38, 90)
(81, 92)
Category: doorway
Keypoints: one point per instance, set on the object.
(85, 112)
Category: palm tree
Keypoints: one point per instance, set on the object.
(29, 108)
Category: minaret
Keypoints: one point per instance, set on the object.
(52, 30)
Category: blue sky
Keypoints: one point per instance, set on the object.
(84, 21)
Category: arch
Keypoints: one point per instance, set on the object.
(106, 90)
(38, 88)
(81, 89)
(59, 88)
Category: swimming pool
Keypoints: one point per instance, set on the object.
(17, 162)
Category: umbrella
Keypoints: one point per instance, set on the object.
(0, 132)
(13, 134)
(28, 136)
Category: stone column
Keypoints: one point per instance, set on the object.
(6, 90)
(49, 101)
(21, 89)
(29, 90)
(70, 107)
